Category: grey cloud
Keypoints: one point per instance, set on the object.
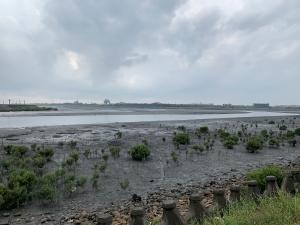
(138, 51)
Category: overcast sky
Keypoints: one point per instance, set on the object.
(209, 51)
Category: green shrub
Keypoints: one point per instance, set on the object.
(118, 135)
(105, 157)
(39, 162)
(47, 153)
(254, 144)
(274, 143)
(198, 148)
(290, 134)
(230, 141)
(223, 134)
(139, 152)
(204, 129)
(297, 131)
(75, 156)
(46, 192)
(124, 184)
(260, 175)
(272, 122)
(181, 139)
(81, 181)
(174, 156)
(72, 144)
(283, 127)
(115, 152)
(19, 151)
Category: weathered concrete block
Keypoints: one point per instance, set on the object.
(253, 189)
(288, 183)
(171, 215)
(104, 219)
(235, 193)
(196, 209)
(271, 186)
(219, 199)
(137, 216)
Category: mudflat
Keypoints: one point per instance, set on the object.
(160, 173)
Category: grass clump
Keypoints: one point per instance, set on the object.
(139, 152)
(283, 209)
(260, 175)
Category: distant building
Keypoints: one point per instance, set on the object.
(227, 105)
(261, 105)
(106, 101)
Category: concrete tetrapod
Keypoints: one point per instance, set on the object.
(171, 215)
(196, 209)
(104, 219)
(271, 186)
(137, 216)
(235, 194)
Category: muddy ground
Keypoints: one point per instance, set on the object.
(158, 174)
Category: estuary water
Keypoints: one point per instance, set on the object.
(7, 121)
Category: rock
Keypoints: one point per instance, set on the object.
(5, 214)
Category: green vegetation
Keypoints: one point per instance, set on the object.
(230, 141)
(297, 131)
(254, 144)
(174, 157)
(181, 139)
(19, 107)
(283, 209)
(139, 152)
(124, 184)
(260, 175)
(115, 152)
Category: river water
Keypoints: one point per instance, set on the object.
(54, 120)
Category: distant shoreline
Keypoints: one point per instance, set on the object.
(24, 108)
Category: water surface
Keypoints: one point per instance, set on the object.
(34, 121)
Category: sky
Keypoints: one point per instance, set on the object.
(171, 51)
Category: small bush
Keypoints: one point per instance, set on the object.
(203, 130)
(297, 131)
(181, 139)
(260, 175)
(47, 153)
(274, 143)
(283, 127)
(254, 144)
(124, 184)
(230, 141)
(118, 135)
(139, 152)
(174, 156)
(198, 148)
(115, 152)
(19, 151)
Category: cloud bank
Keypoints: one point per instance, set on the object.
(177, 51)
